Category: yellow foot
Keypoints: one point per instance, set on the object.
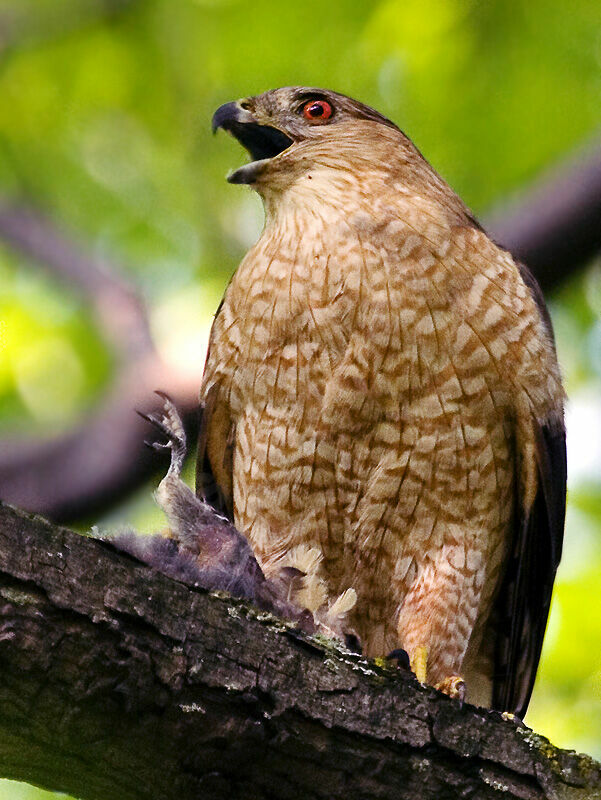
(454, 686)
(419, 663)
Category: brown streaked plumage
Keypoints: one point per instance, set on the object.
(382, 390)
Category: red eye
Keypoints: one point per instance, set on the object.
(317, 110)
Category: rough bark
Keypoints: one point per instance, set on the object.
(119, 683)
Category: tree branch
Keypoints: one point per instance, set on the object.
(555, 227)
(103, 459)
(119, 683)
(117, 305)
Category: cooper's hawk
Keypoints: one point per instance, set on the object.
(382, 398)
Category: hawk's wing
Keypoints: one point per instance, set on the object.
(215, 438)
(214, 461)
(523, 604)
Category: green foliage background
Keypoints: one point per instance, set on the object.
(104, 124)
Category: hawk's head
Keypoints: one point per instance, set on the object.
(291, 130)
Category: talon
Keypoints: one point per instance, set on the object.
(419, 663)
(453, 686)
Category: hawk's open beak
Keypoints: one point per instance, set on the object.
(262, 141)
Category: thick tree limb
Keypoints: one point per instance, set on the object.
(121, 684)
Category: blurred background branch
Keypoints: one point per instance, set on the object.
(104, 459)
(555, 227)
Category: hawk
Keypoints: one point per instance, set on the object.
(382, 399)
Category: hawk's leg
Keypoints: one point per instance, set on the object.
(419, 663)
(438, 615)
(453, 685)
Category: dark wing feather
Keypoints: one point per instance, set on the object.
(525, 597)
(215, 424)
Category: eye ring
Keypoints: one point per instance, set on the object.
(317, 111)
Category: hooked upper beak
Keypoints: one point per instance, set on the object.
(228, 114)
(262, 141)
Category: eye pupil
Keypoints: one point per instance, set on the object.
(318, 110)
